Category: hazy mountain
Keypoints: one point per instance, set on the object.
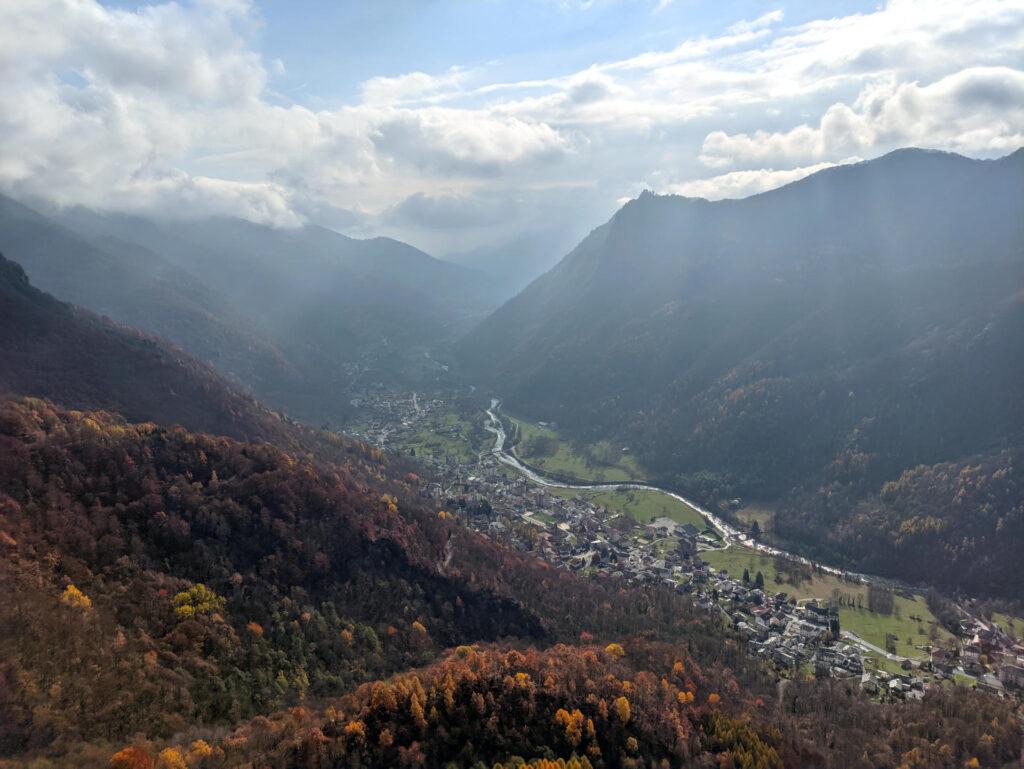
(57, 351)
(514, 264)
(868, 318)
(299, 316)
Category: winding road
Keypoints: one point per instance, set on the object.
(730, 535)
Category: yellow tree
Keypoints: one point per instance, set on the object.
(622, 709)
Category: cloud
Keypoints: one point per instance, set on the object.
(197, 52)
(446, 211)
(977, 110)
(411, 87)
(740, 184)
(464, 142)
(765, 20)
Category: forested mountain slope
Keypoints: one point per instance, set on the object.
(160, 579)
(54, 350)
(301, 317)
(829, 334)
(177, 599)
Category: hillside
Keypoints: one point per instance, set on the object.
(825, 335)
(227, 605)
(57, 351)
(225, 579)
(300, 317)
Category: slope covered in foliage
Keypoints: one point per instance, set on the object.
(635, 705)
(224, 579)
(299, 316)
(54, 350)
(164, 587)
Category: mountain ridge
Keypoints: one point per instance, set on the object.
(742, 348)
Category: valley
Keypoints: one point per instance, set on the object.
(504, 385)
(800, 615)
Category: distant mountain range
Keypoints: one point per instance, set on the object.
(60, 352)
(832, 333)
(298, 316)
(516, 263)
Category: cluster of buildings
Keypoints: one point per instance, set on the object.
(576, 534)
(989, 653)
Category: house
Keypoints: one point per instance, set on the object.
(689, 530)
(868, 684)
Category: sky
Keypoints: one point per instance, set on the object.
(464, 124)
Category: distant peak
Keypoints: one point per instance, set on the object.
(13, 273)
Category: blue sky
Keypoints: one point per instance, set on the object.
(461, 125)
(331, 47)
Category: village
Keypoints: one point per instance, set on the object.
(571, 530)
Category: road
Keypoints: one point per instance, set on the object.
(868, 646)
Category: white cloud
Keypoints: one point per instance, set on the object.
(765, 20)
(411, 87)
(463, 142)
(740, 184)
(977, 110)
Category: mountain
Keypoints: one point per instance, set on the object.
(176, 598)
(514, 264)
(301, 317)
(821, 338)
(57, 351)
(160, 581)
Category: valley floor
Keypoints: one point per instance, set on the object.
(647, 534)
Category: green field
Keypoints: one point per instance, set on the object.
(644, 505)
(540, 515)
(870, 626)
(566, 461)
(878, 662)
(444, 433)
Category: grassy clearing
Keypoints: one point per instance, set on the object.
(566, 461)
(735, 559)
(444, 433)
(910, 615)
(961, 680)
(643, 505)
(540, 515)
(878, 662)
(751, 513)
(873, 627)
